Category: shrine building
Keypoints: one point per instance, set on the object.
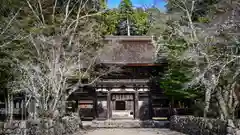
(127, 93)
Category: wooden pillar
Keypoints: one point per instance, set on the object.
(76, 106)
(150, 107)
(136, 104)
(109, 110)
(95, 105)
(23, 107)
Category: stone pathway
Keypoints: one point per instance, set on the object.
(132, 131)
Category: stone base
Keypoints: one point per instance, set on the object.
(129, 124)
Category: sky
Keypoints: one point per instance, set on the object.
(139, 3)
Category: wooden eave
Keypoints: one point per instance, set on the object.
(133, 64)
(122, 81)
(128, 38)
(142, 64)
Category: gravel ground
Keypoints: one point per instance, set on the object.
(132, 131)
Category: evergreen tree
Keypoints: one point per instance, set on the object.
(129, 21)
(126, 18)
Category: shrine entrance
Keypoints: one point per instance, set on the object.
(122, 106)
(121, 98)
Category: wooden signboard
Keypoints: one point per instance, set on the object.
(86, 106)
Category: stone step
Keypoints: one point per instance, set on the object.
(129, 124)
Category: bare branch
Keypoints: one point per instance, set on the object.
(10, 22)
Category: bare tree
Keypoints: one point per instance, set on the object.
(214, 59)
(71, 51)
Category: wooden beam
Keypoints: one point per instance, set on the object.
(142, 64)
(132, 64)
(128, 38)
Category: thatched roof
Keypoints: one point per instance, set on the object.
(128, 49)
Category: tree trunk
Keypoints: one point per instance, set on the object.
(128, 27)
(222, 105)
(220, 114)
(207, 102)
(63, 108)
(12, 107)
(235, 100)
(9, 108)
